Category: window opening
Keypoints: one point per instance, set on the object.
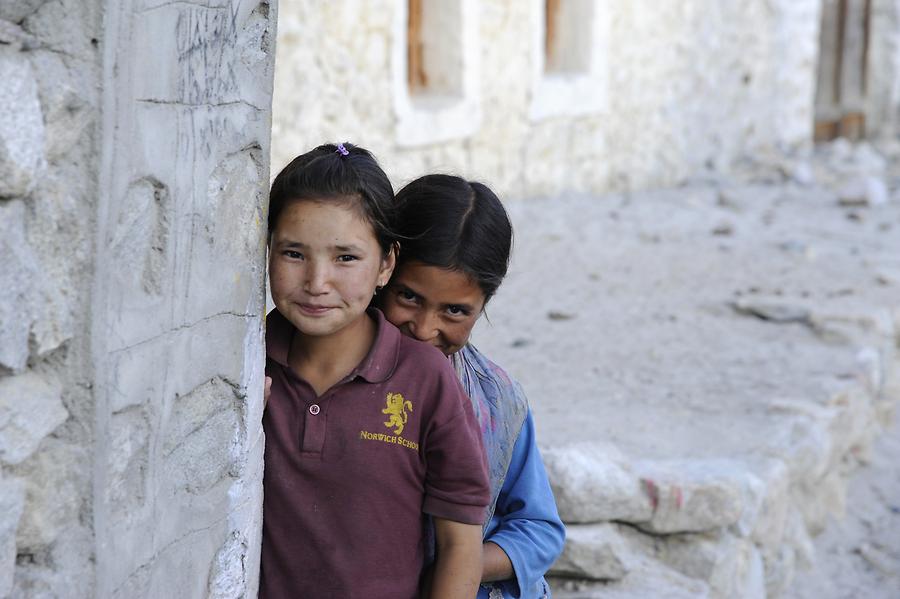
(417, 79)
(842, 70)
(567, 36)
(434, 48)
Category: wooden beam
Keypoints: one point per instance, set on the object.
(417, 79)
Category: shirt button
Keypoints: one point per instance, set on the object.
(314, 409)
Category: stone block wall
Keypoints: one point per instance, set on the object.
(668, 92)
(134, 142)
(49, 126)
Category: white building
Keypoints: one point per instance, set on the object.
(541, 96)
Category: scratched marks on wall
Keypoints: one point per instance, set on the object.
(205, 38)
(216, 48)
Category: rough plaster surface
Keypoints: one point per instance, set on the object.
(690, 87)
(133, 166)
(178, 311)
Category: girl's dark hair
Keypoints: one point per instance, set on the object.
(452, 223)
(342, 172)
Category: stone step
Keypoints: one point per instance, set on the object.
(739, 525)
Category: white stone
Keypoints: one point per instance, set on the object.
(820, 500)
(12, 500)
(30, 409)
(127, 463)
(649, 578)
(54, 493)
(19, 269)
(21, 126)
(693, 495)
(867, 159)
(854, 422)
(864, 191)
(765, 511)
(205, 422)
(227, 576)
(593, 551)
(802, 440)
(723, 561)
(67, 112)
(16, 10)
(65, 570)
(592, 482)
(779, 567)
(797, 537)
(871, 367)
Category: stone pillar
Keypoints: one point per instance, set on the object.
(178, 304)
(134, 143)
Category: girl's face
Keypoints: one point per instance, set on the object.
(324, 264)
(433, 304)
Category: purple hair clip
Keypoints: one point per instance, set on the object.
(342, 150)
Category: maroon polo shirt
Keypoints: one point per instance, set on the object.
(350, 475)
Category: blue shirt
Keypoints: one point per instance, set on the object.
(525, 524)
(523, 519)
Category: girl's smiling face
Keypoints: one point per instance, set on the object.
(433, 304)
(324, 265)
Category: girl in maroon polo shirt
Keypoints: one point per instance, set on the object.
(367, 431)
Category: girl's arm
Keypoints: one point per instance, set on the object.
(496, 564)
(457, 566)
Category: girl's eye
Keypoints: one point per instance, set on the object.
(347, 258)
(292, 254)
(406, 295)
(457, 311)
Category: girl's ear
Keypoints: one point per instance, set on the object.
(387, 264)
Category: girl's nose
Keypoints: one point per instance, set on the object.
(422, 327)
(316, 278)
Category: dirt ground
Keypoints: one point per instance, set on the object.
(668, 322)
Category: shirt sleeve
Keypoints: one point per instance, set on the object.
(528, 527)
(456, 480)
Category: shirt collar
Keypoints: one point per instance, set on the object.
(378, 365)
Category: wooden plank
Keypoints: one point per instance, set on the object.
(853, 126)
(415, 73)
(826, 130)
(551, 26)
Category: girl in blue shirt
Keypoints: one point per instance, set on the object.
(455, 245)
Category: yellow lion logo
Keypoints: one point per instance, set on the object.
(396, 407)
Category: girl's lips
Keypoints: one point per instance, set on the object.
(313, 309)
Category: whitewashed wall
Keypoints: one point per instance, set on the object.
(672, 89)
(134, 144)
(883, 106)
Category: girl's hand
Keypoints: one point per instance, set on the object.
(267, 391)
